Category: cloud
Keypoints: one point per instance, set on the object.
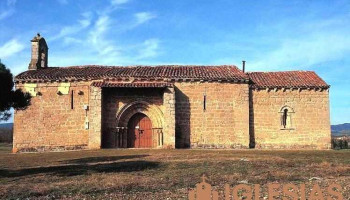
(101, 25)
(98, 35)
(306, 51)
(148, 49)
(114, 5)
(72, 40)
(303, 43)
(9, 10)
(73, 29)
(5, 14)
(143, 17)
(10, 48)
(119, 2)
(98, 40)
(11, 2)
(292, 44)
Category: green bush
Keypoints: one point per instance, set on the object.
(340, 144)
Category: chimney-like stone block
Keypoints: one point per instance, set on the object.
(39, 57)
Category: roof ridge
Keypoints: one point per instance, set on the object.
(178, 72)
(135, 66)
(280, 71)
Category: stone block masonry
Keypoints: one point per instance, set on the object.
(123, 103)
(50, 122)
(190, 115)
(168, 106)
(95, 118)
(222, 123)
(169, 103)
(310, 121)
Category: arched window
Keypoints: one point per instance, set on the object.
(286, 117)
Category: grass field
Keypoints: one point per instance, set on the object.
(161, 174)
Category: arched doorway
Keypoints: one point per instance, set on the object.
(139, 132)
(124, 123)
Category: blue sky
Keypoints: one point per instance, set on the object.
(269, 35)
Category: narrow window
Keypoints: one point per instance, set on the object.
(204, 102)
(286, 114)
(284, 118)
(72, 100)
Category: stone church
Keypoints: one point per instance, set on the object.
(168, 106)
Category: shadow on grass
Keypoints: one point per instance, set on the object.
(5, 147)
(83, 167)
(90, 160)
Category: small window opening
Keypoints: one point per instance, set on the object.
(284, 118)
(204, 102)
(72, 100)
(287, 114)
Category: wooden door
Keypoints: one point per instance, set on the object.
(140, 131)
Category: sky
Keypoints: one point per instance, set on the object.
(270, 35)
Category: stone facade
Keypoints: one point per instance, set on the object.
(120, 104)
(50, 123)
(95, 118)
(310, 124)
(224, 123)
(91, 107)
(169, 103)
(234, 116)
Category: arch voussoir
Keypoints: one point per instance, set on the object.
(152, 111)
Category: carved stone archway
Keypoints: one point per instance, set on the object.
(290, 109)
(152, 111)
(126, 112)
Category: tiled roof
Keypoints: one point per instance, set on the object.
(287, 79)
(133, 84)
(212, 73)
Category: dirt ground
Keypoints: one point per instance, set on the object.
(163, 174)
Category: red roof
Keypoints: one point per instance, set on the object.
(213, 73)
(133, 84)
(287, 79)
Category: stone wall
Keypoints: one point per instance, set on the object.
(50, 123)
(129, 101)
(310, 122)
(229, 116)
(95, 118)
(223, 124)
(169, 103)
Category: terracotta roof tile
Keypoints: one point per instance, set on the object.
(133, 85)
(147, 72)
(287, 79)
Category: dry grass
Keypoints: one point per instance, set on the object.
(160, 174)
